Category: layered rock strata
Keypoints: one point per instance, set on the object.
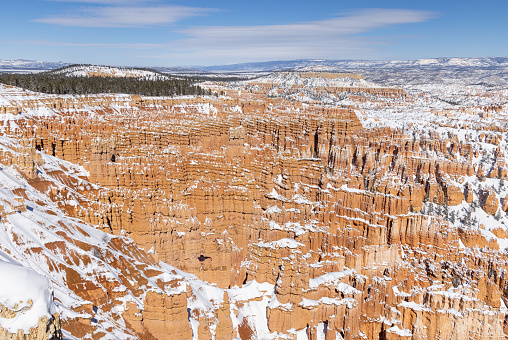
(334, 224)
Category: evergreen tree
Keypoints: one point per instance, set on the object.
(452, 217)
(54, 83)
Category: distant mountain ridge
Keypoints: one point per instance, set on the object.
(276, 65)
(488, 62)
(490, 71)
(21, 65)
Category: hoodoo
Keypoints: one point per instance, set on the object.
(297, 205)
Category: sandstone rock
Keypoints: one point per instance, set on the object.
(490, 203)
(293, 194)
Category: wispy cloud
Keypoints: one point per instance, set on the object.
(332, 38)
(122, 16)
(106, 2)
(340, 37)
(127, 46)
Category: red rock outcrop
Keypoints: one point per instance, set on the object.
(362, 232)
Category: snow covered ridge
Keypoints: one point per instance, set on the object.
(313, 79)
(346, 64)
(322, 86)
(28, 66)
(492, 71)
(482, 62)
(25, 298)
(109, 71)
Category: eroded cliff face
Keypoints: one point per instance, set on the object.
(381, 217)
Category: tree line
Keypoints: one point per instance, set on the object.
(51, 83)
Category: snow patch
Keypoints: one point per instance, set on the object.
(26, 293)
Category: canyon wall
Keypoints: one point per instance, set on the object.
(359, 229)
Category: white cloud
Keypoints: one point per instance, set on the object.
(128, 46)
(331, 38)
(125, 16)
(106, 2)
(341, 37)
(359, 22)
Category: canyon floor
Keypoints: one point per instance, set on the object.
(298, 205)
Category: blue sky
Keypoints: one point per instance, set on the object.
(196, 32)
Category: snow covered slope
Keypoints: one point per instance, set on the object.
(310, 80)
(491, 62)
(490, 71)
(26, 295)
(109, 71)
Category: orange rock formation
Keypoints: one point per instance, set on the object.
(334, 215)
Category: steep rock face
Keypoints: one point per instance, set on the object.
(377, 218)
(490, 202)
(103, 285)
(165, 315)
